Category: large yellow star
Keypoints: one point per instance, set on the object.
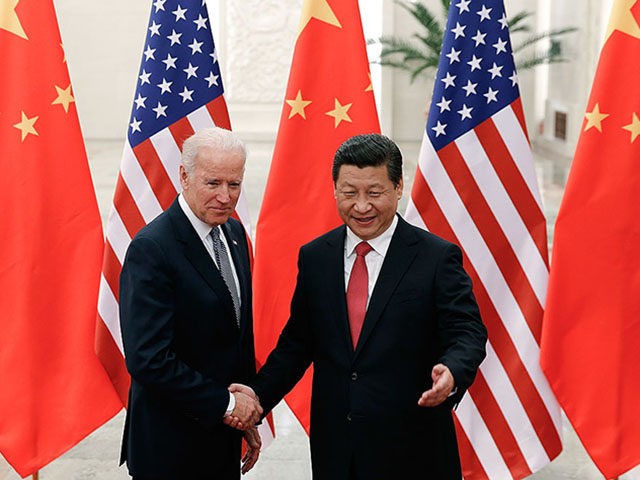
(9, 20)
(26, 126)
(298, 105)
(622, 19)
(595, 118)
(319, 9)
(64, 98)
(633, 127)
(339, 113)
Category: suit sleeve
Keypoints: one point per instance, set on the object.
(461, 332)
(292, 355)
(147, 323)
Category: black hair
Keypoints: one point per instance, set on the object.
(369, 150)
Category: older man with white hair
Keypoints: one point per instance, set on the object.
(185, 309)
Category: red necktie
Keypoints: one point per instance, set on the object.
(358, 291)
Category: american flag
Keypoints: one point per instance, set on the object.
(179, 90)
(476, 186)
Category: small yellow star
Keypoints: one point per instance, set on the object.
(339, 113)
(633, 127)
(595, 118)
(622, 19)
(26, 126)
(298, 105)
(64, 98)
(370, 87)
(318, 9)
(9, 20)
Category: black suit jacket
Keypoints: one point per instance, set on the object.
(364, 412)
(182, 348)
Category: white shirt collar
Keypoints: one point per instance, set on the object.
(380, 244)
(202, 229)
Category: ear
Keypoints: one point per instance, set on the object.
(183, 176)
(399, 188)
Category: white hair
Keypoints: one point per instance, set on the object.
(215, 137)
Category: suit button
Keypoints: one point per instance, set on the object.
(354, 376)
(348, 417)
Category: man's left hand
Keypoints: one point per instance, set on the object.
(254, 443)
(443, 384)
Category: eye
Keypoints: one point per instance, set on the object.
(375, 193)
(348, 193)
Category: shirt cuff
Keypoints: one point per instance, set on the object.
(231, 406)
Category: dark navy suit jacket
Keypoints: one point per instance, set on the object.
(182, 348)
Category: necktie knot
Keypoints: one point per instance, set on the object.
(363, 248)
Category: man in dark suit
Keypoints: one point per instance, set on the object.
(385, 313)
(185, 311)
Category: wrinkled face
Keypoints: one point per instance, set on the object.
(213, 188)
(367, 200)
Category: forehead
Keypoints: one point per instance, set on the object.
(209, 159)
(367, 176)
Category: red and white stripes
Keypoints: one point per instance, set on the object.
(480, 192)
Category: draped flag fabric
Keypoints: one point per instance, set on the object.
(591, 335)
(179, 90)
(476, 186)
(54, 391)
(329, 98)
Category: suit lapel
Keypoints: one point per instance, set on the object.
(335, 284)
(401, 253)
(197, 255)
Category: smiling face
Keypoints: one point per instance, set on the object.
(366, 199)
(213, 187)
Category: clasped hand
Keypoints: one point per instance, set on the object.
(247, 411)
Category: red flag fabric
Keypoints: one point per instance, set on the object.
(54, 389)
(476, 186)
(329, 98)
(590, 341)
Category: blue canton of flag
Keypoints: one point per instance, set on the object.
(179, 71)
(476, 75)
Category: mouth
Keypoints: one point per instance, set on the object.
(363, 221)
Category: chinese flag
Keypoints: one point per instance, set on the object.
(53, 390)
(329, 98)
(591, 330)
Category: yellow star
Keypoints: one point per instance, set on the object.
(9, 20)
(319, 9)
(26, 126)
(633, 127)
(64, 98)
(622, 19)
(595, 118)
(370, 87)
(298, 105)
(339, 113)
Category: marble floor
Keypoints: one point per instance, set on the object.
(287, 458)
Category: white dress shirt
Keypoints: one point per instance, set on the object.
(373, 259)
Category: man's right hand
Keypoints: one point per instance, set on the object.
(247, 411)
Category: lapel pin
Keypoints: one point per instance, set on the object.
(235, 243)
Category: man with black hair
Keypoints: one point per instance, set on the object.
(385, 313)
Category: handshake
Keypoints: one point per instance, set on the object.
(244, 416)
(247, 411)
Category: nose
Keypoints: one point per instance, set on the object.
(223, 194)
(362, 204)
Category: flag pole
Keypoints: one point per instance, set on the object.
(35, 475)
